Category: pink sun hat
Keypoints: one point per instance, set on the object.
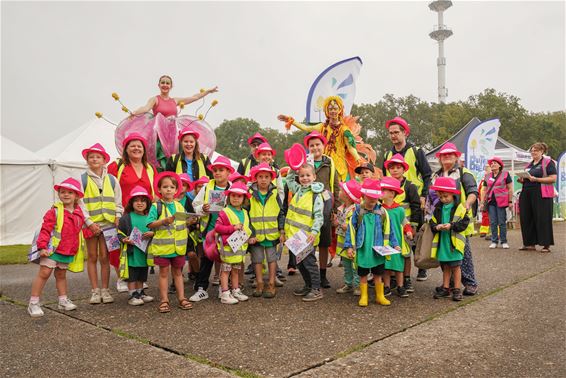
(264, 147)
(401, 122)
(353, 189)
(221, 161)
(445, 184)
(185, 179)
(201, 181)
(237, 176)
(97, 147)
(314, 135)
(263, 167)
(70, 184)
(497, 160)
(371, 188)
(168, 174)
(295, 156)
(257, 136)
(238, 188)
(188, 131)
(134, 136)
(397, 159)
(139, 191)
(391, 184)
(448, 148)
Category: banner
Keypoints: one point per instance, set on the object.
(561, 181)
(337, 80)
(480, 146)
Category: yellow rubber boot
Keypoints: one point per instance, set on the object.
(363, 295)
(379, 297)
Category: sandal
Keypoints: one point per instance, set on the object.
(164, 307)
(524, 248)
(545, 250)
(184, 304)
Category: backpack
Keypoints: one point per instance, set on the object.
(84, 180)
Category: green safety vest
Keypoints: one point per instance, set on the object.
(458, 239)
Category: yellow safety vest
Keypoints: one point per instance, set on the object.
(77, 265)
(170, 238)
(148, 169)
(179, 166)
(300, 216)
(458, 239)
(100, 207)
(264, 217)
(400, 199)
(470, 229)
(411, 174)
(229, 256)
(340, 239)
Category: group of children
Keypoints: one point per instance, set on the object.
(373, 219)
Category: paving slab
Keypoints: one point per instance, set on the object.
(517, 332)
(57, 345)
(284, 336)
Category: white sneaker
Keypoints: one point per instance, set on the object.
(493, 246)
(241, 297)
(278, 282)
(95, 297)
(215, 281)
(121, 286)
(227, 298)
(135, 301)
(145, 285)
(105, 295)
(34, 310)
(146, 298)
(66, 305)
(200, 295)
(505, 246)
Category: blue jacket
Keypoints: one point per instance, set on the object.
(359, 231)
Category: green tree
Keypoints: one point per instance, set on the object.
(232, 137)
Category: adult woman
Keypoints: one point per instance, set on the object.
(189, 160)
(536, 200)
(448, 157)
(341, 146)
(133, 168)
(498, 189)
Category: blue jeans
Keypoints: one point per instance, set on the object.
(498, 218)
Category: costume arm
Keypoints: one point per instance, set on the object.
(308, 129)
(146, 108)
(195, 97)
(293, 186)
(350, 143)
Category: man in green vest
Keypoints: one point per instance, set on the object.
(419, 171)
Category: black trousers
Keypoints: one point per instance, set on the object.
(206, 266)
(536, 218)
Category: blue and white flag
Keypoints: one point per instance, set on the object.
(337, 80)
(480, 146)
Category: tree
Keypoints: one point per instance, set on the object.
(232, 137)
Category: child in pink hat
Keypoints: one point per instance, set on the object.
(350, 194)
(251, 161)
(58, 244)
(448, 223)
(102, 206)
(370, 227)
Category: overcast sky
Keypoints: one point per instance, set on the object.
(62, 61)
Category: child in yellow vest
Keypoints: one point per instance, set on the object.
(370, 227)
(58, 243)
(448, 224)
(233, 218)
(169, 244)
(350, 195)
(102, 205)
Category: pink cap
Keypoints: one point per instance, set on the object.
(314, 135)
(236, 176)
(496, 159)
(371, 188)
(401, 122)
(397, 159)
(264, 147)
(295, 156)
(134, 136)
(139, 191)
(168, 174)
(445, 184)
(70, 184)
(263, 167)
(391, 184)
(221, 161)
(185, 179)
(201, 181)
(353, 189)
(238, 188)
(448, 148)
(97, 147)
(188, 131)
(257, 136)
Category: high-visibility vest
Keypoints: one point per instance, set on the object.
(300, 215)
(148, 169)
(499, 189)
(340, 239)
(332, 173)
(100, 206)
(204, 219)
(384, 220)
(470, 229)
(458, 239)
(227, 255)
(179, 166)
(169, 238)
(264, 217)
(411, 174)
(405, 247)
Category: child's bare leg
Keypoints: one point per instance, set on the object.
(457, 272)
(272, 266)
(446, 272)
(104, 263)
(387, 278)
(378, 279)
(61, 281)
(177, 274)
(216, 268)
(235, 277)
(92, 251)
(163, 283)
(407, 268)
(399, 278)
(193, 263)
(258, 273)
(364, 279)
(323, 256)
(137, 285)
(132, 285)
(224, 280)
(40, 280)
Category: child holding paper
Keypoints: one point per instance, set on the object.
(305, 213)
(448, 224)
(60, 230)
(350, 195)
(169, 244)
(390, 188)
(370, 227)
(102, 206)
(133, 258)
(233, 218)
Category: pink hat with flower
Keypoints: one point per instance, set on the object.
(97, 147)
(70, 184)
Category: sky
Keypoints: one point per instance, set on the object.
(61, 61)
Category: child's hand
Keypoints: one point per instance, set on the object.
(447, 226)
(44, 253)
(168, 220)
(127, 240)
(282, 238)
(351, 253)
(95, 229)
(344, 227)
(252, 240)
(310, 238)
(335, 222)
(117, 221)
(410, 235)
(398, 248)
(147, 235)
(238, 227)
(206, 208)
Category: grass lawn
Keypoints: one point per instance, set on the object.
(14, 254)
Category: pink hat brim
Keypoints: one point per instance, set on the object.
(167, 174)
(344, 187)
(79, 193)
(444, 189)
(193, 133)
(295, 156)
(229, 167)
(253, 174)
(86, 151)
(309, 137)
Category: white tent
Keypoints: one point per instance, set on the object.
(25, 192)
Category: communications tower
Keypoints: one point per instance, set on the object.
(439, 34)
